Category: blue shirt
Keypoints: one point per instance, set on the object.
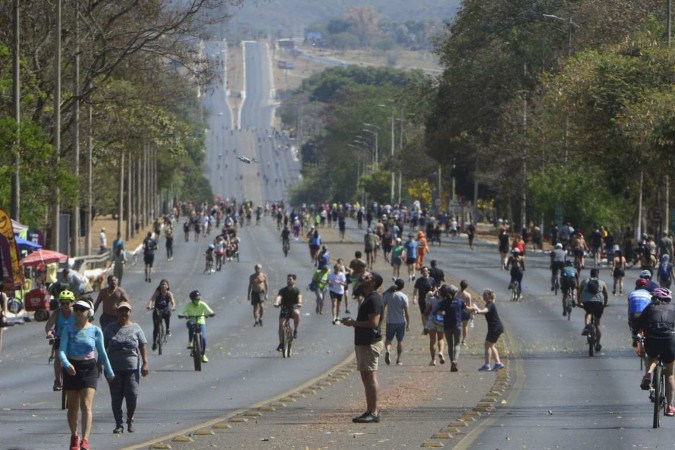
(80, 343)
(638, 300)
(411, 249)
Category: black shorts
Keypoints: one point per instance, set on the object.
(257, 297)
(86, 375)
(595, 308)
(568, 283)
(286, 312)
(149, 260)
(493, 335)
(335, 296)
(661, 346)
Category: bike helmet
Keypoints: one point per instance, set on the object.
(558, 245)
(641, 283)
(646, 274)
(515, 251)
(195, 295)
(66, 295)
(211, 247)
(662, 294)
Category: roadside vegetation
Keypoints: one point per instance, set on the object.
(541, 106)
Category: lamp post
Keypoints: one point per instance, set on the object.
(374, 132)
(570, 25)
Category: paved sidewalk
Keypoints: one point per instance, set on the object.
(421, 405)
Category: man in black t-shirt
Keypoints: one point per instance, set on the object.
(290, 299)
(423, 286)
(149, 247)
(368, 343)
(436, 273)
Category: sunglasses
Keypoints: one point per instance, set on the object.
(80, 309)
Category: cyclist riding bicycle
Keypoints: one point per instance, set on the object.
(162, 303)
(516, 263)
(285, 235)
(557, 263)
(198, 309)
(593, 296)
(209, 254)
(657, 322)
(569, 281)
(57, 322)
(290, 300)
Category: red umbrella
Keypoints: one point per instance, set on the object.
(43, 257)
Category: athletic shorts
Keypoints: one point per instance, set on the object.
(335, 296)
(396, 330)
(396, 261)
(410, 261)
(493, 335)
(149, 260)
(661, 346)
(86, 375)
(595, 308)
(257, 297)
(368, 356)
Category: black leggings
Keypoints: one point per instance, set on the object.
(157, 315)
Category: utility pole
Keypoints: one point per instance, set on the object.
(16, 100)
(666, 222)
(56, 207)
(75, 228)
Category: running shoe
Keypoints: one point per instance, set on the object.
(497, 366)
(441, 358)
(57, 386)
(670, 412)
(366, 418)
(119, 429)
(387, 358)
(84, 445)
(205, 359)
(130, 426)
(74, 442)
(454, 367)
(280, 348)
(485, 368)
(295, 334)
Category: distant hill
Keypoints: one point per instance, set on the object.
(288, 18)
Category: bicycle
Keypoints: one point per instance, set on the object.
(209, 266)
(515, 290)
(569, 300)
(160, 340)
(54, 351)
(287, 335)
(286, 246)
(197, 341)
(657, 390)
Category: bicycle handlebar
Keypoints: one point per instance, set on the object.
(187, 316)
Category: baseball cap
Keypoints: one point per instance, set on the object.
(121, 305)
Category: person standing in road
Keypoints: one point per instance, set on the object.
(503, 247)
(368, 342)
(369, 244)
(319, 286)
(119, 260)
(110, 296)
(80, 341)
(257, 293)
(149, 247)
(127, 350)
(398, 319)
(117, 243)
(449, 313)
(337, 282)
(411, 246)
(168, 235)
(465, 296)
(436, 273)
(495, 329)
(471, 233)
(422, 287)
(397, 258)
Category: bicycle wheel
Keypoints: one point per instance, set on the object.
(288, 339)
(197, 351)
(161, 336)
(658, 393)
(591, 339)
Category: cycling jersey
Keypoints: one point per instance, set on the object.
(199, 309)
(569, 272)
(638, 300)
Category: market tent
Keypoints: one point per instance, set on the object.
(26, 245)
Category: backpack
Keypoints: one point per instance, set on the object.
(593, 286)
(664, 272)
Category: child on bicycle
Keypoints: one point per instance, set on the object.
(198, 310)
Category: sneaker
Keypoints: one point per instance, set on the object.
(255, 324)
(497, 366)
(280, 348)
(130, 426)
(57, 386)
(84, 445)
(646, 382)
(387, 358)
(484, 368)
(454, 367)
(432, 363)
(366, 418)
(168, 332)
(205, 359)
(189, 344)
(670, 411)
(441, 358)
(119, 429)
(74, 442)
(295, 334)
(154, 346)
(413, 277)
(598, 347)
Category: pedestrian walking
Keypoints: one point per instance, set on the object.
(79, 342)
(319, 286)
(398, 319)
(127, 350)
(465, 296)
(257, 293)
(337, 281)
(449, 313)
(434, 326)
(110, 297)
(368, 342)
(495, 329)
(119, 260)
